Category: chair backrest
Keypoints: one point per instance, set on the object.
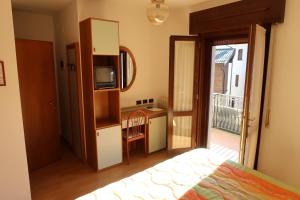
(137, 123)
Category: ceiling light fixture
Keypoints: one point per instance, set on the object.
(157, 12)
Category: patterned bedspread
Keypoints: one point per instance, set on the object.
(198, 174)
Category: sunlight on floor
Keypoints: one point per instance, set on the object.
(225, 144)
(227, 153)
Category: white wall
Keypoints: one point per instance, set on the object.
(238, 68)
(210, 4)
(33, 26)
(148, 43)
(280, 145)
(14, 181)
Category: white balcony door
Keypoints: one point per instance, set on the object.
(253, 95)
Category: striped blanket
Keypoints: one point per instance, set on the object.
(195, 175)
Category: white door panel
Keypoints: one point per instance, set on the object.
(157, 134)
(105, 37)
(255, 96)
(109, 147)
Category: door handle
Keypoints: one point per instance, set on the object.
(252, 119)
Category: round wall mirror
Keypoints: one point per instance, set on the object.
(127, 68)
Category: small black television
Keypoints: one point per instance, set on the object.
(104, 77)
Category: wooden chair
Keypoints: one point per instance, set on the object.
(137, 123)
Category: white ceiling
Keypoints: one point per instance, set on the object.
(185, 3)
(40, 5)
(55, 5)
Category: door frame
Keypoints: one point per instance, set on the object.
(234, 36)
(208, 40)
(193, 113)
(76, 46)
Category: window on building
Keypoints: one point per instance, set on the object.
(237, 79)
(240, 54)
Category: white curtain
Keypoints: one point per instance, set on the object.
(255, 97)
(184, 75)
(183, 92)
(129, 69)
(182, 132)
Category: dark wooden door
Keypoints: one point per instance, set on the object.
(183, 92)
(39, 103)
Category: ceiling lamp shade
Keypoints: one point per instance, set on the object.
(157, 12)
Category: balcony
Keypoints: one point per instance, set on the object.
(227, 112)
(225, 126)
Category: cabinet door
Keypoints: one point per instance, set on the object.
(109, 147)
(157, 134)
(105, 37)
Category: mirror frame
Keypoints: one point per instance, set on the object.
(123, 48)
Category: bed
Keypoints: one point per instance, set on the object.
(198, 174)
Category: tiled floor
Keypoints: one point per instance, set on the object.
(225, 144)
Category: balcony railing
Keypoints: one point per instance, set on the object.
(227, 112)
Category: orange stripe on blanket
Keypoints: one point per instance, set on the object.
(250, 180)
(192, 195)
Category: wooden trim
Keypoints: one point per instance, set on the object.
(3, 71)
(98, 18)
(247, 91)
(266, 64)
(123, 48)
(88, 92)
(183, 113)
(69, 105)
(80, 97)
(241, 40)
(204, 92)
(207, 42)
(232, 15)
(171, 92)
(171, 112)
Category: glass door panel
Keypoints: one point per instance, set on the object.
(182, 132)
(184, 75)
(181, 99)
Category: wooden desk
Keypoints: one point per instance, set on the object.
(157, 128)
(150, 114)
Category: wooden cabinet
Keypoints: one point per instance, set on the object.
(157, 134)
(109, 147)
(99, 40)
(105, 37)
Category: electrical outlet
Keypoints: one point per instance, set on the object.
(138, 102)
(151, 100)
(145, 101)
